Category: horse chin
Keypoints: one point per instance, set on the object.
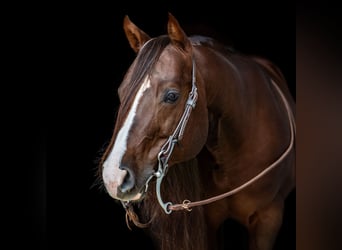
(137, 197)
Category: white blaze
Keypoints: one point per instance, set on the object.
(111, 174)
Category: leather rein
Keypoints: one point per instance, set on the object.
(167, 149)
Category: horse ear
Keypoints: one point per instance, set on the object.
(177, 35)
(136, 37)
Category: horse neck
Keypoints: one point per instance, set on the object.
(240, 98)
(224, 87)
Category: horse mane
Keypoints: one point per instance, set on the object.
(181, 182)
(144, 62)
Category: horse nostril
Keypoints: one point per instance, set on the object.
(128, 182)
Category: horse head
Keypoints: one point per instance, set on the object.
(153, 97)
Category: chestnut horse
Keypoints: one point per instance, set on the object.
(206, 129)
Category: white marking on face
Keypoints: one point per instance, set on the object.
(111, 174)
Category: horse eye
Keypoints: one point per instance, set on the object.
(171, 96)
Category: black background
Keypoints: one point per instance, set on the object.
(83, 55)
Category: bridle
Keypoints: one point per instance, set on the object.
(167, 149)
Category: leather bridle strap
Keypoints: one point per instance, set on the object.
(167, 149)
(187, 205)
